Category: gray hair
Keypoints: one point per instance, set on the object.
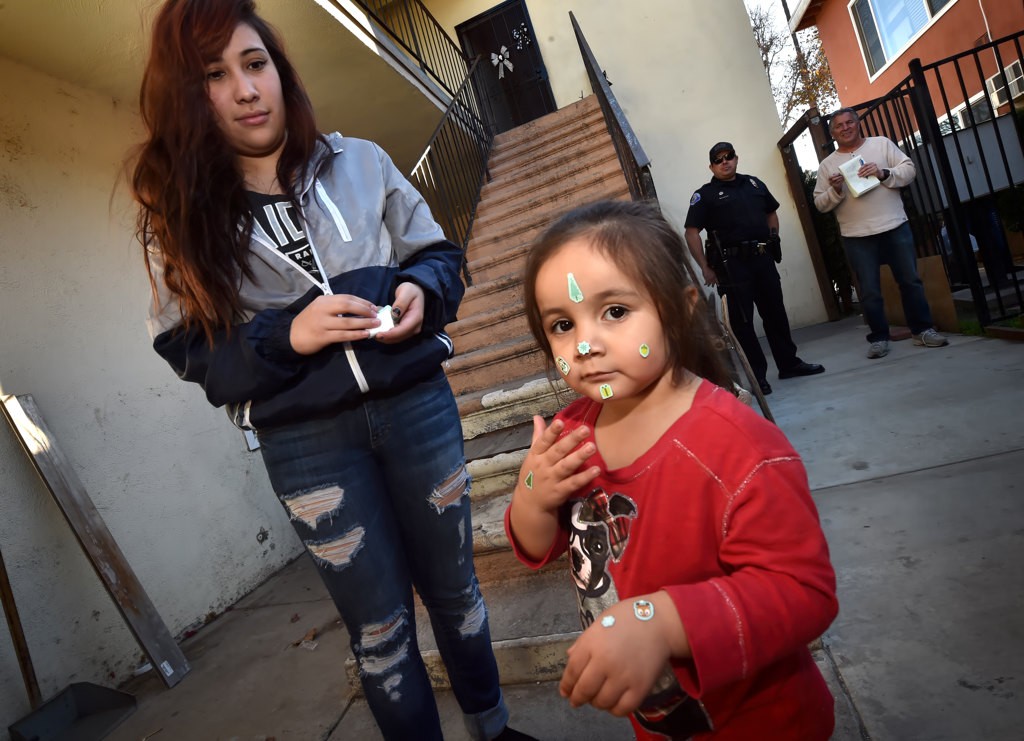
(850, 111)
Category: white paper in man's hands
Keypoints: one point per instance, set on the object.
(858, 186)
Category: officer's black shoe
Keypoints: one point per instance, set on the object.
(766, 388)
(802, 369)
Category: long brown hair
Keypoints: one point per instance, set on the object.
(186, 180)
(643, 245)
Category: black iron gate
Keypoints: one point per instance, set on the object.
(961, 120)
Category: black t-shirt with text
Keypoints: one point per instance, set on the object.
(276, 214)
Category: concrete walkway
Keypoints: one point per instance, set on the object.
(915, 461)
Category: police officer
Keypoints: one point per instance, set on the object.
(738, 213)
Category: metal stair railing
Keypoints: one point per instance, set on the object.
(967, 151)
(453, 167)
(412, 27)
(451, 172)
(636, 165)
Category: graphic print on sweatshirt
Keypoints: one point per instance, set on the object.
(276, 216)
(599, 527)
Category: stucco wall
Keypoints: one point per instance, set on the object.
(167, 472)
(687, 74)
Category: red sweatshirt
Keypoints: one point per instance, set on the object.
(718, 514)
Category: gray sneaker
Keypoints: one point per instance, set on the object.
(880, 349)
(930, 338)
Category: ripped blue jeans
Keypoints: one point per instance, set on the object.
(380, 497)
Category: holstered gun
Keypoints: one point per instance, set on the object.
(719, 262)
(774, 246)
(715, 255)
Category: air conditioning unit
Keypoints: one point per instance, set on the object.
(997, 91)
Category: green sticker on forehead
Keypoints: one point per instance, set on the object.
(574, 289)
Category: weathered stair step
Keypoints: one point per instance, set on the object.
(511, 260)
(533, 620)
(489, 513)
(472, 401)
(544, 135)
(549, 149)
(511, 205)
(484, 295)
(541, 210)
(540, 129)
(564, 157)
(495, 365)
(492, 409)
(489, 327)
(488, 241)
(568, 161)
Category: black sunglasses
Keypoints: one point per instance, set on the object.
(724, 158)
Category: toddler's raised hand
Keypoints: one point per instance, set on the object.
(548, 477)
(550, 473)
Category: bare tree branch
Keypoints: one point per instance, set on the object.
(794, 86)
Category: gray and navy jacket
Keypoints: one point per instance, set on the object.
(369, 230)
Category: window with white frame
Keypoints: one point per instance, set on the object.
(964, 116)
(886, 28)
(997, 84)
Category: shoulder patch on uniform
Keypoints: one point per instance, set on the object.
(696, 197)
(753, 181)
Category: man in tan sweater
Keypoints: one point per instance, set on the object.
(874, 227)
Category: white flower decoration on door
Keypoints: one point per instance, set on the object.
(501, 61)
(522, 36)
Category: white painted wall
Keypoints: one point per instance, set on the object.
(687, 74)
(168, 473)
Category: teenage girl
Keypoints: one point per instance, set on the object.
(272, 250)
(699, 563)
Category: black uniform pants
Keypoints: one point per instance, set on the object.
(754, 281)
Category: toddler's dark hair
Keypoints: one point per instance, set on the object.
(639, 240)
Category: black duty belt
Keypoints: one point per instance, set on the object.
(745, 249)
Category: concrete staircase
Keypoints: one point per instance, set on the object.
(538, 171)
(498, 374)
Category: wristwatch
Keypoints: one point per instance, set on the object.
(885, 174)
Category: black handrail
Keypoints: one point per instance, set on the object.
(636, 165)
(452, 170)
(412, 27)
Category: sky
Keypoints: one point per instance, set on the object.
(804, 147)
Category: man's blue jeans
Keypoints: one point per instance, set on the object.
(380, 497)
(894, 248)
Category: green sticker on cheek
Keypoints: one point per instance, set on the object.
(645, 350)
(574, 289)
(562, 365)
(529, 480)
(606, 391)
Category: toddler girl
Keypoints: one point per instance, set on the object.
(700, 567)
